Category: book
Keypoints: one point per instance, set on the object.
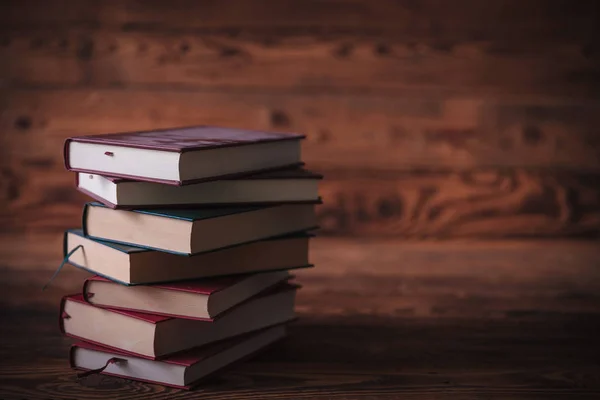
(192, 231)
(182, 155)
(275, 187)
(131, 265)
(154, 336)
(202, 299)
(182, 371)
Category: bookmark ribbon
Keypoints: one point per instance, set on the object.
(62, 264)
(113, 360)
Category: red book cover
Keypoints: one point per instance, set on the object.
(149, 318)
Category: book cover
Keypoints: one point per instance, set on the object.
(201, 286)
(182, 140)
(293, 174)
(190, 215)
(289, 173)
(186, 214)
(190, 357)
(205, 287)
(193, 138)
(148, 318)
(129, 249)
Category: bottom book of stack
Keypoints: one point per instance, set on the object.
(182, 370)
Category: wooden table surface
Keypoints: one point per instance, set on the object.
(378, 320)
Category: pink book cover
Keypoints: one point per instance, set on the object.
(150, 318)
(205, 287)
(290, 173)
(186, 359)
(180, 140)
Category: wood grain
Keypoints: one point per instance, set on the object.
(406, 132)
(479, 203)
(351, 358)
(430, 119)
(497, 19)
(346, 63)
(498, 320)
(418, 205)
(391, 278)
(41, 197)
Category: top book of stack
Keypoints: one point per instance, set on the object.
(184, 155)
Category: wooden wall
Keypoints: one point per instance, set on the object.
(429, 118)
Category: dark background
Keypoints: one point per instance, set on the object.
(460, 146)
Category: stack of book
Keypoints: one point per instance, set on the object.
(191, 241)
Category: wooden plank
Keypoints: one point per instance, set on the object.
(530, 307)
(405, 132)
(344, 133)
(533, 19)
(550, 358)
(42, 58)
(450, 279)
(476, 203)
(298, 62)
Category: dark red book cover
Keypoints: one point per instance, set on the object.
(180, 140)
(150, 318)
(203, 287)
(184, 139)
